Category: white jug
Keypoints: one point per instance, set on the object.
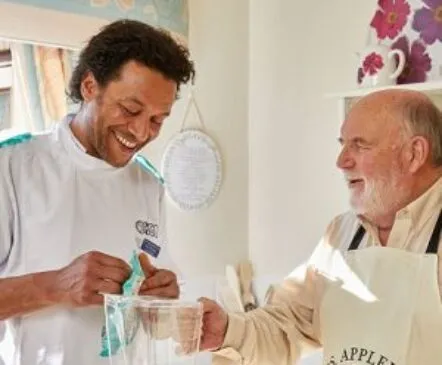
(377, 66)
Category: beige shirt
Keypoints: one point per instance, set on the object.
(279, 332)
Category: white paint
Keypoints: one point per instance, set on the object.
(205, 241)
(51, 27)
(299, 51)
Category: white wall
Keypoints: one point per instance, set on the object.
(205, 241)
(299, 51)
(31, 24)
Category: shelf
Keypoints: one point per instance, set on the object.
(430, 87)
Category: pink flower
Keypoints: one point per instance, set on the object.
(417, 61)
(372, 63)
(391, 18)
(428, 21)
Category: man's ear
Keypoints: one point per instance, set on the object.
(89, 87)
(417, 153)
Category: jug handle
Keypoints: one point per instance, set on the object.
(401, 64)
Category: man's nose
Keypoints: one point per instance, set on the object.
(345, 160)
(139, 128)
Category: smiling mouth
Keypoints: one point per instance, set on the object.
(354, 182)
(126, 143)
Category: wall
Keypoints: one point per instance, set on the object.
(206, 241)
(51, 27)
(299, 51)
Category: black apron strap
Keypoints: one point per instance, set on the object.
(357, 239)
(433, 245)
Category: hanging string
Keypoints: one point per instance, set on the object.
(192, 101)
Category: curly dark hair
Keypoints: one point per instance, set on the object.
(129, 40)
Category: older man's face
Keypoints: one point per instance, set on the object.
(370, 159)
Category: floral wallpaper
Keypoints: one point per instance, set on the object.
(415, 27)
(169, 14)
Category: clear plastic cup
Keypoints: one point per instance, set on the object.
(149, 331)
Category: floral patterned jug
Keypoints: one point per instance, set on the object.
(378, 67)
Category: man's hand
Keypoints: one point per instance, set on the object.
(159, 282)
(215, 321)
(80, 283)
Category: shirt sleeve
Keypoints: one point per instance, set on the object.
(6, 210)
(288, 325)
(275, 334)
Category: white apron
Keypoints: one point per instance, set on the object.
(397, 319)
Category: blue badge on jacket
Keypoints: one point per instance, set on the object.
(151, 248)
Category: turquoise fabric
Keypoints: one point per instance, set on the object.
(147, 166)
(168, 14)
(20, 138)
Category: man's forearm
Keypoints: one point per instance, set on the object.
(25, 294)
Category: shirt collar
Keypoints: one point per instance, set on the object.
(423, 208)
(77, 151)
(418, 211)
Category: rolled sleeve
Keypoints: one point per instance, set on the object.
(236, 329)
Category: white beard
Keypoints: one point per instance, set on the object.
(379, 196)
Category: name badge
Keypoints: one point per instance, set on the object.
(150, 248)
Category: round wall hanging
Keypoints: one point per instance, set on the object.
(192, 169)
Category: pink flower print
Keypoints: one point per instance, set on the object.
(372, 63)
(428, 21)
(391, 18)
(417, 61)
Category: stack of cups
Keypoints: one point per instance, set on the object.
(148, 331)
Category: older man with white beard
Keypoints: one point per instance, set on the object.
(371, 291)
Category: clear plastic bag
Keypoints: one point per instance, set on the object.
(148, 331)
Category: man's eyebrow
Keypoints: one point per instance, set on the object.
(354, 140)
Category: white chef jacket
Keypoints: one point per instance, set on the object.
(56, 203)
